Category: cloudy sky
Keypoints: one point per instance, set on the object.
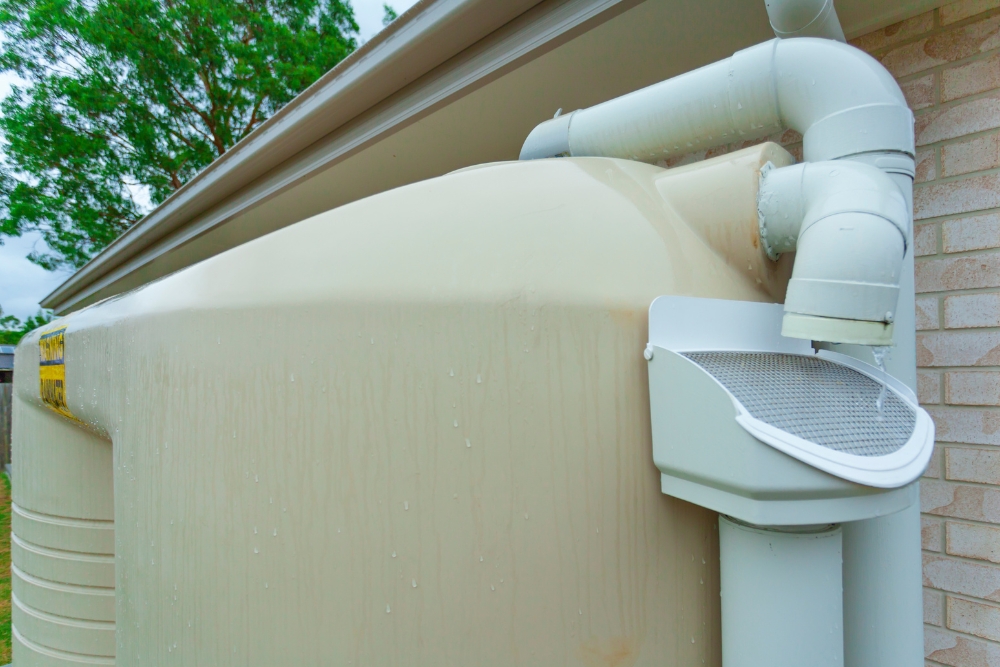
(23, 284)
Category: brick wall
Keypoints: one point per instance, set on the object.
(948, 64)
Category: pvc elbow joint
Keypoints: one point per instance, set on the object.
(848, 224)
(841, 100)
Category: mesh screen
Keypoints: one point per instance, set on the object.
(817, 400)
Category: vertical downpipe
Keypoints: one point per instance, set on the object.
(883, 582)
(782, 595)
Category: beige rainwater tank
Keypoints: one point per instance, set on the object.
(413, 430)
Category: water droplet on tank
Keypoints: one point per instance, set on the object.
(451, 372)
(414, 582)
(581, 611)
(467, 443)
(492, 587)
(525, 516)
(387, 610)
(255, 530)
(393, 554)
(480, 559)
(265, 584)
(255, 550)
(479, 379)
(293, 377)
(455, 424)
(692, 640)
(406, 504)
(275, 533)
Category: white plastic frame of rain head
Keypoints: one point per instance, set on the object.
(706, 331)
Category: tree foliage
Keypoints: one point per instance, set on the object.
(126, 100)
(388, 14)
(13, 329)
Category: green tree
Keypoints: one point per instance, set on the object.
(126, 100)
(388, 14)
(12, 329)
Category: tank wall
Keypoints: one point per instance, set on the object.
(414, 430)
(62, 544)
(300, 476)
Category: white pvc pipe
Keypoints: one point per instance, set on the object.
(848, 223)
(840, 98)
(883, 594)
(804, 18)
(883, 600)
(782, 596)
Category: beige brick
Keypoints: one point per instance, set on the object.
(963, 577)
(933, 607)
(928, 387)
(974, 541)
(927, 313)
(958, 348)
(960, 501)
(977, 115)
(935, 465)
(976, 154)
(973, 193)
(895, 33)
(944, 48)
(959, 11)
(957, 273)
(931, 534)
(971, 426)
(974, 618)
(926, 165)
(949, 649)
(919, 92)
(964, 464)
(925, 239)
(968, 311)
(970, 78)
(972, 388)
(975, 233)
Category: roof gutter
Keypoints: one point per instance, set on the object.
(424, 37)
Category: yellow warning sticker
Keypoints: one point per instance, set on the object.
(52, 370)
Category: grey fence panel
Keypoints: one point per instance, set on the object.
(6, 395)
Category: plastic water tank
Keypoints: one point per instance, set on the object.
(443, 459)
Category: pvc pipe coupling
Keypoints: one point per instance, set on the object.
(848, 224)
(804, 18)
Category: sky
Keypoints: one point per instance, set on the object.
(23, 284)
